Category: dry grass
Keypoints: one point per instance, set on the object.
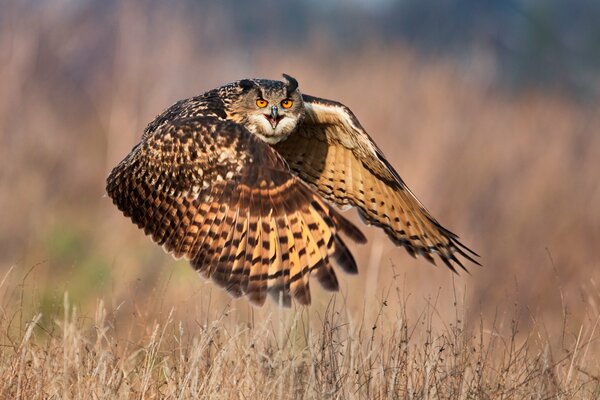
(515, 174)
(382, 354)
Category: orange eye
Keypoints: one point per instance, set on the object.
(261, 103)
(287, 103)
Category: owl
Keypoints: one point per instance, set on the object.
(247, 181)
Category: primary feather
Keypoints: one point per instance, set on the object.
(245, 191)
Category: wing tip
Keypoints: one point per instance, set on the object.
(349, 229)
(344, 258)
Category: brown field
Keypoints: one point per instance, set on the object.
(90, 308)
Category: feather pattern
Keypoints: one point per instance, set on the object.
(247, 197)
(352, 170)
(243, 220)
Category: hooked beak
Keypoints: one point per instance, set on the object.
(274, 117)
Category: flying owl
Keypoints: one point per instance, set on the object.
(245, 182)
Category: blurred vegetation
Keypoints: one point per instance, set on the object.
(292, 355)
(525, 43)
(488, 110)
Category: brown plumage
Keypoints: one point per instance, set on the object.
(243, 190)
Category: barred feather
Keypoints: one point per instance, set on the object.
(256, 218)
(245, 221)
(351, 170)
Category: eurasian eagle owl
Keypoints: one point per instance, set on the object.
(244, 181)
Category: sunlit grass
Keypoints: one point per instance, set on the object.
(298, 353)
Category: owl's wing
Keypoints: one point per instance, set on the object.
(332, 152)
(208, 190)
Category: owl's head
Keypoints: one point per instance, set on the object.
(269, 109)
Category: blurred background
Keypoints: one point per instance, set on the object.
(488, 110)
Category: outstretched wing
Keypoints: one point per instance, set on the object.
(333, 153)
(208, 190)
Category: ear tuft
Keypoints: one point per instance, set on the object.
(292, 84)
(247, 84)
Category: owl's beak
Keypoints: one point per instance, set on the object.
(274, 117)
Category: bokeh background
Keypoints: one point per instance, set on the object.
(488, 110)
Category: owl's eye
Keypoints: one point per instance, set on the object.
(287, 103)
(261, 103)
